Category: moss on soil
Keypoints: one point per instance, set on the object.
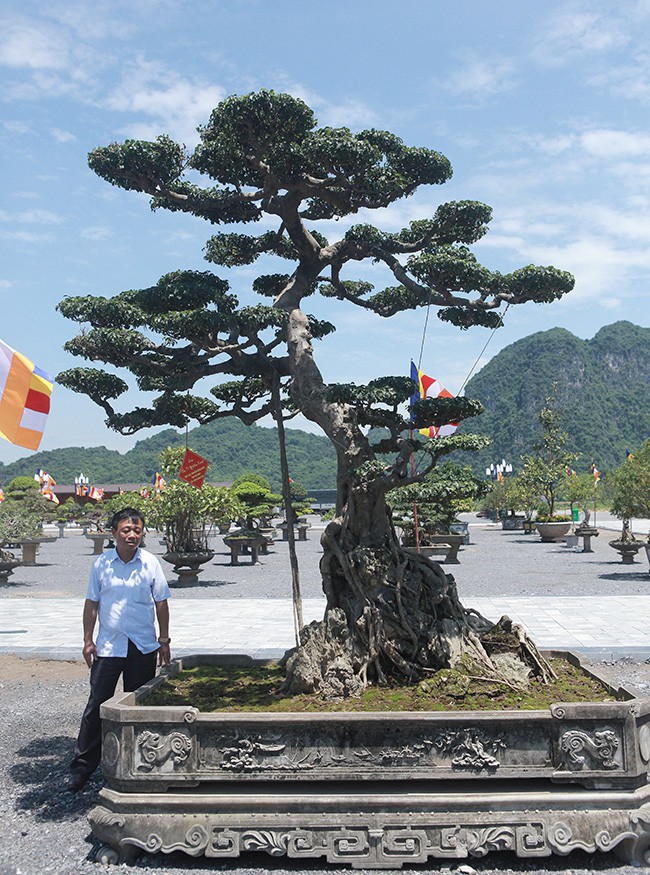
(228, 688)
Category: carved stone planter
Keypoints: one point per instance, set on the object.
(550, 532)
(98, 539)
(627, 549)
(187, 566)
(373, 790)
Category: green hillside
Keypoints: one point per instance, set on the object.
(232, 448)
(603, 393)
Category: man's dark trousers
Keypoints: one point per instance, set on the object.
(137, 668)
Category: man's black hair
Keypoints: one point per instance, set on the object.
(127, 513)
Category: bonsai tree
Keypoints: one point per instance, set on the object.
(256, 500)
(300, 502)
(68, 512)
(581, 491)
(544, 470)
(263, 158)
(631, 489)
(446, 491)
(183, 512)
(28, 508)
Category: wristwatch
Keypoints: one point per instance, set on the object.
(164, 640)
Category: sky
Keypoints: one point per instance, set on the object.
(542, 109)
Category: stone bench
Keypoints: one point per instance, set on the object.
(302, 531)
(241, 545)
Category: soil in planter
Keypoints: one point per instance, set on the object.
(230, 688)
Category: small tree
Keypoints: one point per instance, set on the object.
(448, 490)
(580, 490)
(631, 488)
(184, 513)
(544, 470)
(257, 500)
(300, 502)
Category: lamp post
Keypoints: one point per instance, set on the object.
(498, 470)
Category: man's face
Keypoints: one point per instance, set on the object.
(128, 535)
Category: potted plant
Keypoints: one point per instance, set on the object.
(631, 498)
(426, 511)
(185, 514)
(27, 509)
(545, 468)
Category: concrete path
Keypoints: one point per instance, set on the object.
(586, 602)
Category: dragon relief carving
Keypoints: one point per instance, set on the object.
(155, 749)
(576, 745)
(467, 749)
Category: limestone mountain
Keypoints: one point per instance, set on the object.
(602, 389)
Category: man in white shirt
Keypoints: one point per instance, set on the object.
(127, 591)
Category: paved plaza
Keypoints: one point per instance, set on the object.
(589, 602)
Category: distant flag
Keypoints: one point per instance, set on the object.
(628, 454)
(95, 493)
(46, 482)
(159, 482)
(427, 387)
(595, 472)
(2, 494)
(25, 391)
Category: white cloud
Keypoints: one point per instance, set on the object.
(481, 77)
(578, 29)
(96, 232)
(607, 143)
(62, 136)
(37, 47)
(178, 105)
(32, 217)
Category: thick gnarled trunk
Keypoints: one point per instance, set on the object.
(390, 612)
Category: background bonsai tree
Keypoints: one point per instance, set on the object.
(580, 491)
(262, 158)
(446, 491)
(300, 502)
(68, 512)
(256, 499)
(184, 513)
(27, 509)
(544, 471)
(631, 489)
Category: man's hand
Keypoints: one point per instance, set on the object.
(164, 654)
(89, 653)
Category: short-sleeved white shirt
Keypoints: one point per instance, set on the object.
(126, 592)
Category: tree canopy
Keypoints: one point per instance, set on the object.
(263, 159)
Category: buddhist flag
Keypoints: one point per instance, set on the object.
(427, 387)
(24, 398)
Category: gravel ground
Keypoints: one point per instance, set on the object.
(495, 563)
(43, 828)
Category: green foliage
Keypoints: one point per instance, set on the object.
(545, 468)
(602, 385)
(631, 494)
(449, 489)
(257, 500)
(265, 157)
